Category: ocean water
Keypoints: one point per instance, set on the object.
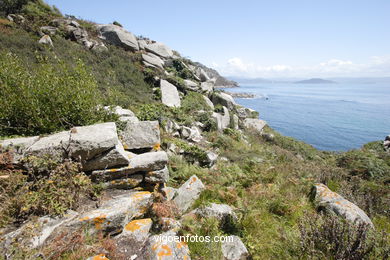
(333, 117)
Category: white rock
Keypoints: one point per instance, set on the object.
(159, 176)
(222, 212)
(223, 121)
(234, 250)
(169, 94)
(141, 134)
(254, 124)
(46, 40)
(164, 247)
(118, 36)
(189, 84)
(224, 100)
(208, 102)
(153, 60)
(207, 87)
(159, 49)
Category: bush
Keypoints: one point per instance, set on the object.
(329, 237)
(12, 6)
(46, 98)
(51, 187)
(117, 23)
(364, 164)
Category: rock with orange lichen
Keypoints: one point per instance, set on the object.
(167, 224)
(331, 202)
(234, 249)
(140, 135)
(145, 162)
(167, 246)
(188, 193)
(159, 176)
(138, 229)
(115, 213)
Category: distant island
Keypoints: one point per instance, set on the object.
(314, 81)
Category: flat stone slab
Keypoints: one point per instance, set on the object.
(159, 49)
(169, 94)
(254, 124)
(163, 247)
(234, 250)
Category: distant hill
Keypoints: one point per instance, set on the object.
(314, 81)
(249, 80)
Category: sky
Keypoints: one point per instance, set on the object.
(259, 38)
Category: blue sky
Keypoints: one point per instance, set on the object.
(278, 38)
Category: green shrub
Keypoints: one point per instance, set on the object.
(117, 23)
(364, 164)
(192, 102)
(50, 188)
(47, 97)
(12, 6)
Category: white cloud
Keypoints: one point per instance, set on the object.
(376, 66)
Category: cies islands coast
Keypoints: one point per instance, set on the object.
(112, 142)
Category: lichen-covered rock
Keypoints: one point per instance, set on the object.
(98, 257)
(88, 141)
(222, 212)
(159, 49)
(159, 176)
(188, 193)
(234, 249)
(331, 202)
(167, 224)
(138, 229)
(169, 94)
(115, 157)
(125, 183)
(224, 100)
(164, 247)
(140, 135)
(145, 162)
(115, 213)
(35, 233)
(254, 124)
(118, 36)
(191, 85)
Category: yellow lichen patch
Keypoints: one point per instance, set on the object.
(157, 147)
(166, 251)
(140, 195)
(99, 221)
(126, 147)
(100, 257)
(137, 224)
(193, 180)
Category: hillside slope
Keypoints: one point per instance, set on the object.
(111, 142)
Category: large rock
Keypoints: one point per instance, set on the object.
(224, 100)
(254, 124)
(211, 158)
(115, 157)
(202, 75)
(331, 202)
(125, 183)
(244, 112)
(207, 87)
(159, 49)
(124, 114)
(115, 213)
(49, 30)
(191, 85)
(145, 162)
(46, 40)
(223, 121)
(118, 36)
(386, 143)
(222, 212)
(138, 229)
(234, 249)
(153, 60)
(169, 94)
(88, 141)
(188, 193)
(165, 247)
(192, 134)
(140, 135)
(209, 103)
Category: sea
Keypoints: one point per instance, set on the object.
(331, 117)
